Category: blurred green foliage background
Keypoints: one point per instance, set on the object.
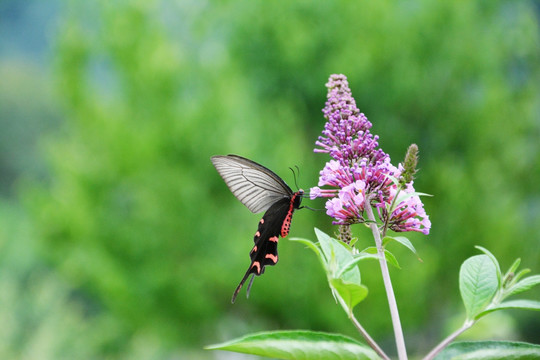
(119, 240)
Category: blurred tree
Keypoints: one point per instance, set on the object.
(44, 318)
(135, 215)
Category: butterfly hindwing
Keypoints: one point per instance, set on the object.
(267, 235)
(264, 252)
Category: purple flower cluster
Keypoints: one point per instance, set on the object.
(409, 214)
(346, 135)
(360, 169)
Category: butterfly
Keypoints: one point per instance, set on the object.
(260, 189)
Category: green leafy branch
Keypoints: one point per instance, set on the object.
(484, 288)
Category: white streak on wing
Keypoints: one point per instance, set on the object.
(254, 185)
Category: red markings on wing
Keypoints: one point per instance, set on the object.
(257, 234)
(262, 221)
(272, 257)
(258, 265)
(274, 239)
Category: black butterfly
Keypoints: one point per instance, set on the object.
(260, 189)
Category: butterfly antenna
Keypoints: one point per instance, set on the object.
(309, 208)
(294, 175)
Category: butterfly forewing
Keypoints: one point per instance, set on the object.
(254, 185)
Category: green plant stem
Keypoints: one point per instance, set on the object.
(396, 323)
(385, 227)
(361, 329)
(448, 340)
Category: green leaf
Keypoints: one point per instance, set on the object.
(354, 240)
(490, 350)
(343, 259)
(514, 304)
(351, 264)
(338, 259)
(351, 293)
(523, 285)
(356, 259)
(366, 255)
(477, 283)
(520, 274)
(403, 241)
(299, 344)
(390, 258)
(514, 267)
(370, 250)
(341, 270)
(325, 241)
(495, 262)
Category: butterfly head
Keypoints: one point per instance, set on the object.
(297, 198)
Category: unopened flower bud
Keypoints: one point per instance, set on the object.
(409, 165)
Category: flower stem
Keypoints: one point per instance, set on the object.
(448, 340)
(361, 330)
(398, 332)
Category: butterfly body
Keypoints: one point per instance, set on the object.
(260, 189)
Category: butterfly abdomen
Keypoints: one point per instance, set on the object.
(294, 204)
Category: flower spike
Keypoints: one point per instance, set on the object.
(360, 169)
